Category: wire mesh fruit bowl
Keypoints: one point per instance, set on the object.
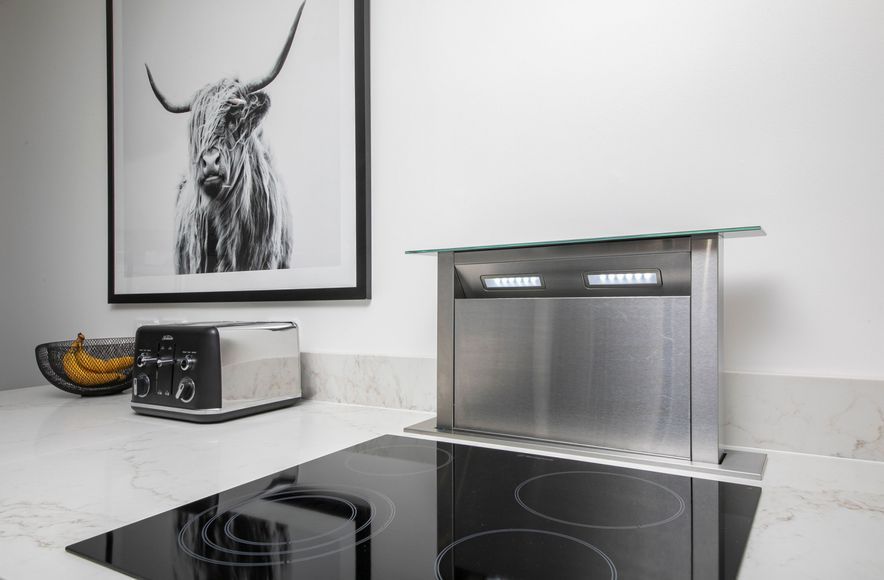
(88, 367)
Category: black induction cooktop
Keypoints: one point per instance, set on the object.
(396, 507)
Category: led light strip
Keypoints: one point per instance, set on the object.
(622, 279)
(512, 282)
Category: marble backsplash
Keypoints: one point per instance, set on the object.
(823, 416)
(377, 381)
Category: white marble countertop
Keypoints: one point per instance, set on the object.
(71, 468)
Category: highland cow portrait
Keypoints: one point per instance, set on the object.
(231, 213)
(238, 150)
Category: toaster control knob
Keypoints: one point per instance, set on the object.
(141, 385)
(188, 362)
(143, 360)
(186, 390)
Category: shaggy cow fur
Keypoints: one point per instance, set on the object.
(246, 225)
(231, 212)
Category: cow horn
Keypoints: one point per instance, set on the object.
(260, 84)
(163, 101)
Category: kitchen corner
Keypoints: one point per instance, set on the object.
(75, 467)
(231, 189)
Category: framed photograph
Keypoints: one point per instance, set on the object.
(239, 150)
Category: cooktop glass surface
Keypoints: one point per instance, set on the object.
(396, 507)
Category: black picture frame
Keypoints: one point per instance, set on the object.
(362, 289)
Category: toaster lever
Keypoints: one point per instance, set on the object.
(143, 360)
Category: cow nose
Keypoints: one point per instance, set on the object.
(211, 161)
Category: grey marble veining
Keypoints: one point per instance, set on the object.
(818, 518)
(837, 417)
(378, 381)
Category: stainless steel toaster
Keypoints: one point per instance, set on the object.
(214, 371)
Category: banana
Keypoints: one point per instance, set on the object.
(84, 377)
(100, 365)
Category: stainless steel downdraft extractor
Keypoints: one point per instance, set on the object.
(610, 346)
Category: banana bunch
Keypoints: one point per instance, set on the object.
(89, 371)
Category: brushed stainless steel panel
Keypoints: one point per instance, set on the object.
(706, 338)
(606, 372)
(446, 280)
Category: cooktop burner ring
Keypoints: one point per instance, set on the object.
(672, 516)
(228, 527)
(435, 467)
(451, 546)
(204, 533)
(274, 557)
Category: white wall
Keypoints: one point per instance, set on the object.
(497, 121)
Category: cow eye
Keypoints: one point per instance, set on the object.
(233, 116)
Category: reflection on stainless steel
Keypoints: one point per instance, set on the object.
(607, 372)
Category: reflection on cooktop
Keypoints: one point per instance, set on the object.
(397, 507)
(286, 525)
(395, 460)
